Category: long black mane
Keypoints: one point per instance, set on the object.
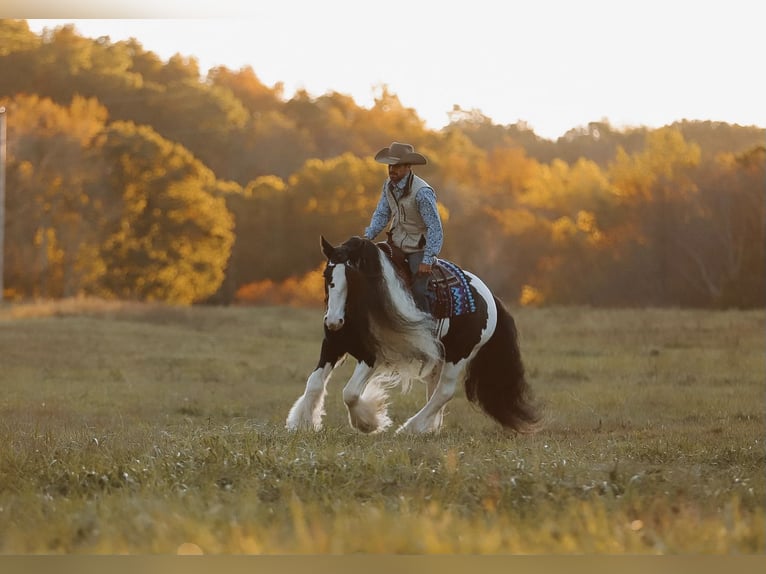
(368, 290)
(370, 304)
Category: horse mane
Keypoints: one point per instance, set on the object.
(398, 327)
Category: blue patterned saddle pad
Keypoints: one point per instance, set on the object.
(449, 291)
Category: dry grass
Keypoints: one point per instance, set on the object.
(129, 428)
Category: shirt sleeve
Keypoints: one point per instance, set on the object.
(380, 217)
(426, 200)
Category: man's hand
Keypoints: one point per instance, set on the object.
(424, 268)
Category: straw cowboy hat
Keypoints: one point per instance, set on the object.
(398, 153)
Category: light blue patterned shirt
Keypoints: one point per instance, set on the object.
(425, 198)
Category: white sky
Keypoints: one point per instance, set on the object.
(556, 64)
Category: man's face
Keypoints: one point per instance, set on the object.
(397, 172)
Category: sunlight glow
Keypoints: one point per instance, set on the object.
(556, 65)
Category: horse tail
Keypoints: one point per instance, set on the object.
(495, 378)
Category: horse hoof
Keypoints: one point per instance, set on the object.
(408, 429)
(302, 426)
(415, 428)
(365, 428)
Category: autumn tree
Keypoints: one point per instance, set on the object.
(715, 138)
(572, 205)
(390, 120)
(256, 97)
(263, 217)
(170, 235)
(50, 216)
(599, 142)
(334, 198)
(655, 190)
(486, 220)
(173, 99)
(722, 241)
(604, 216)
(15, 37)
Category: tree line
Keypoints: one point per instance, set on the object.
(132, 177)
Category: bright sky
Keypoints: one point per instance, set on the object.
(556, 64)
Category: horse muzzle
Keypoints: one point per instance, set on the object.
(333, 324)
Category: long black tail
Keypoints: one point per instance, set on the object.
(495, 379)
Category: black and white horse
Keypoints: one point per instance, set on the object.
(372, 317)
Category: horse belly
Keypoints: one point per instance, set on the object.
(464, 335)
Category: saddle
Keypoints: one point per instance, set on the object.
(448, 290)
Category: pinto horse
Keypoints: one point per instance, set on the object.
(372, 316)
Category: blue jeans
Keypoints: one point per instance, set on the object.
(419, 282)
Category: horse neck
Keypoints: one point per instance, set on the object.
(388, 289)
(358, 298)
(400, 328)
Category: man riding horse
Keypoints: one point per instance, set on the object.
(409, 203)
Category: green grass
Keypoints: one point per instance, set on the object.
(129, 428)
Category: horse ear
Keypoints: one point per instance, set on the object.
(327, 248)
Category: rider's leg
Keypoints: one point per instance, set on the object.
(419, 282)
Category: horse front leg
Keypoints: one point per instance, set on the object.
(366, 401)
(440, 391)
(308, 410)
(432, 381)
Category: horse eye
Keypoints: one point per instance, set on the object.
(332, 285)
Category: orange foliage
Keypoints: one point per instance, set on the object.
(305, 291)
(531, 296)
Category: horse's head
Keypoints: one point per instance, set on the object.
(340, 260)
(353, 273)
(346, 264)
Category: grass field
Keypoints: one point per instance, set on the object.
(143, 429)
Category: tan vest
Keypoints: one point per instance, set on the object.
(408, 230)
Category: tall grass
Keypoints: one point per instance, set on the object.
(128, 428)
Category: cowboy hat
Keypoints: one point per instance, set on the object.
(398, 153)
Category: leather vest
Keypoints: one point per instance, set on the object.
(407, 230)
